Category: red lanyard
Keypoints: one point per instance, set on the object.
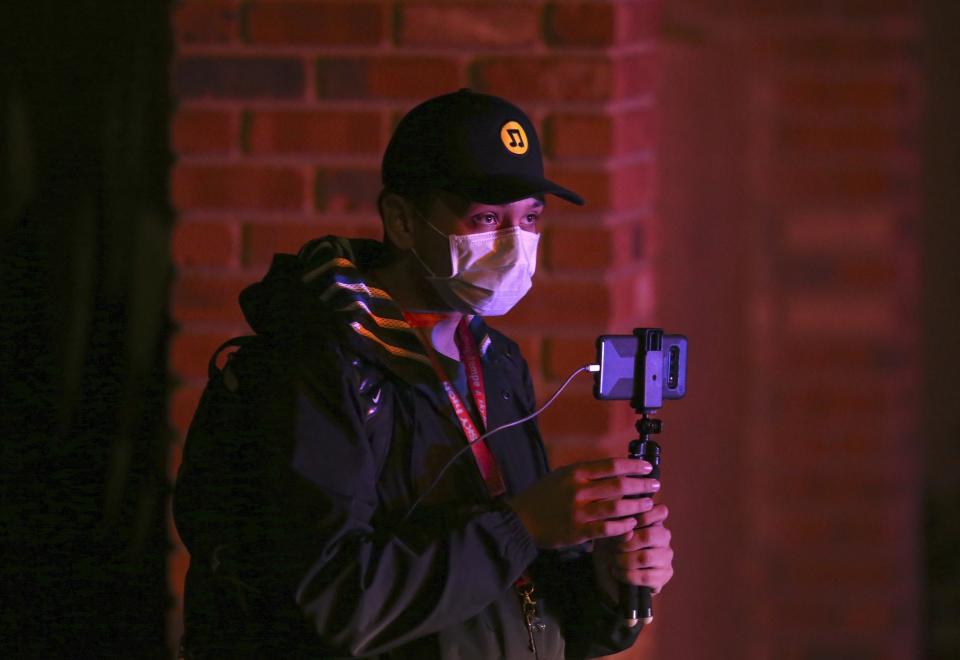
(481, 453)
(474, 371)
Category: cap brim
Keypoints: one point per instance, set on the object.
(506, 189)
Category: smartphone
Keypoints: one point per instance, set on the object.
(645, 368)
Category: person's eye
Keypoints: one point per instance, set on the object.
(532, 218)
(486, 219)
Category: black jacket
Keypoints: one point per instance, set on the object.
(304, 457)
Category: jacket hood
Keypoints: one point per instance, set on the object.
(321, 290)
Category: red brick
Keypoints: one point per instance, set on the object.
(413, 78)
(636, 75)
(577, 413)
(841, 230)
(338, 23)
(836, 48)
(565, 449)
(635, 131)
(875, 273)
(837, 8)
(627, 187)
(262, 240)
(531, 347)
(820, 489)
(582, 23)
(639, 22)
(236, 187)
(634, 186)
(831, 355)
(204, 244)
(211, 21)
(339, 190)
(208, 297)
(349, 133)
(876, 93)
(593, 184)
(833, 183)
(183, 404)
(190, 352)
(203, 131)
(239, 78)
(820, 139)
(827, 400)
(468, 24)
(602, 24)
(572, 135)
(562, 355)
(852, 315)
(581, 248)
(553, 78)
(879, 273)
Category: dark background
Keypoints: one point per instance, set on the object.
(85, 272)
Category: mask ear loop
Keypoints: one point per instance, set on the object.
(414, 250)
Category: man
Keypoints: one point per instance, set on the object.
(336, 495)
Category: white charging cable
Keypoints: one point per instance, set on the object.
(592, 368)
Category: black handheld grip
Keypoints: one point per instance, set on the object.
(635, 602)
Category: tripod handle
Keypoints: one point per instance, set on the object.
(635, 602)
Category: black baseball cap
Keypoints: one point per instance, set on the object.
(477, 145)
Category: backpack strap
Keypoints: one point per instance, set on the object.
(244, 340)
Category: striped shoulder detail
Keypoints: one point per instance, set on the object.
(317, 271)
(390, 348)
(330, 271)
(383, 322)
(356, 287)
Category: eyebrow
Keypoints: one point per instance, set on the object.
(536, 205)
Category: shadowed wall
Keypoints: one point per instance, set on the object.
(84, 270)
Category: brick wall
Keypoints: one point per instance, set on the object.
(791, 169)
(285, 108)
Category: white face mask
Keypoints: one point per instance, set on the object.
(491, 271)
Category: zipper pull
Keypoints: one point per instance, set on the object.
(534, 624)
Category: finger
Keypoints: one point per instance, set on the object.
(616, 487)
(604, 509)
(648, 558)
(654, 516)
(602, 529)
(654, 578)
(653, 536)
(609, 467)
(612, 544)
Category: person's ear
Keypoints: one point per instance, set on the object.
(397, 220)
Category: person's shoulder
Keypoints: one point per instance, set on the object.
(263, 361)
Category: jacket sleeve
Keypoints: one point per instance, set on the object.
(592, 625)
(310, 535)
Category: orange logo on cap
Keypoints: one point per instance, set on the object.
(514, 138)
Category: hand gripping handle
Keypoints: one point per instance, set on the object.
(635, 602)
